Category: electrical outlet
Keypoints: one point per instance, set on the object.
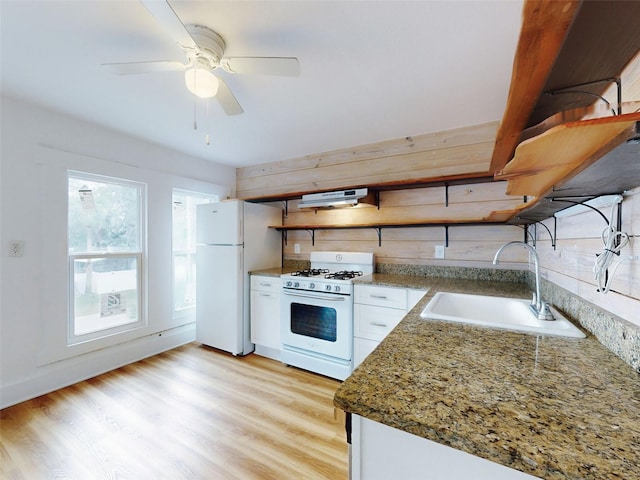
(439, 251)
(296, 248)
(16, 248)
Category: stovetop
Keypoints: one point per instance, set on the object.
(330, 272)
(310, 272)
(344, 275)
(326, 273)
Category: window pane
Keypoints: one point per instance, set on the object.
(184, 247)
(184, 280)
(103, 216)
(105, 226)
(105, 293)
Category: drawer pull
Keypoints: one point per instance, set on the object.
(378, 324)
(381, 297)
(265, 294)
(262, 284)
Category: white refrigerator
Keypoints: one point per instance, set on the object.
(232, 239)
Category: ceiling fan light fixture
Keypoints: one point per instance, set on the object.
(201, 82)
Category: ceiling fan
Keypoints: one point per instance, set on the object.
(204, 50)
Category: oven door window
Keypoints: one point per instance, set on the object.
(314, 321)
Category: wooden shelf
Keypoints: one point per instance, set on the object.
(378, 227)
(390, 186)
(563, 151)
(614, 173)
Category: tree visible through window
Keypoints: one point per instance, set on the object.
(105, 255)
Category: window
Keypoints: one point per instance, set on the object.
(184, 247)
(105, 239)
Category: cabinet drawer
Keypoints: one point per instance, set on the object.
(381, 296)
(375, 323)
(266, 284)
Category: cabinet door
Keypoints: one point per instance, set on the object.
(265, 318)
(380, 452)
(361, 349)
(413, 297)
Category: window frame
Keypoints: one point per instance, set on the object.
(139, 254)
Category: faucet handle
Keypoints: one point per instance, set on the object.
(545, 312)
(534, 300)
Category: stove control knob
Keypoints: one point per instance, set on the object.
(296, 285)
(288, 283)
(312, 286)
(337, 288)
(328, 287)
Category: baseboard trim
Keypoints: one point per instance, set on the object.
(76, 369)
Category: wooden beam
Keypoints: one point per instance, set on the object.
(545, 26)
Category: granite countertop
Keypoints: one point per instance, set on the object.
(556, 408)
(272, 272)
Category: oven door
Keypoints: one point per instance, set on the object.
(318, 322)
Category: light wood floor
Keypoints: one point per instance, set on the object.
(190, 413)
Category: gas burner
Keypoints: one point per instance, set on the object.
(343, 275)
(311, 272)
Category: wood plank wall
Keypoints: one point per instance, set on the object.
(430, 155)
(458, 152)
(463, 151)
(578, 241)
(468, 245)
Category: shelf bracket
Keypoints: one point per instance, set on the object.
(552, 236)
(446, 236)
(446, 194)
(284, 236)
(377, 197)
(616, 240)
(583, 203)
(286, 208)
(379, 232)
(572, 88)
(312, 232)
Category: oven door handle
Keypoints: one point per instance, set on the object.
(331, 298)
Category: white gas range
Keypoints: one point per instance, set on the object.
(317, 312)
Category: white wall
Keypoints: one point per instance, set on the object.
(38, 147)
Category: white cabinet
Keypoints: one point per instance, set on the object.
(265, 315)
(413, 297)
(376, 311)
(380, 452)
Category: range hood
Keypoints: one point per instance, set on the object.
(342, 198)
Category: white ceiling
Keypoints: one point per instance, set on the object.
(370, 70)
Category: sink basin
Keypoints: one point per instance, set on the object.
(496, 312)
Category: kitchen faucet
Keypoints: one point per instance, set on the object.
(538, 307)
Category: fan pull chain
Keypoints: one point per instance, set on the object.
(206, 138)
(195, 102)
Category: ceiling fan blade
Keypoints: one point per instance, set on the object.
(227, 100)
(135, 68)
(284, 66)
(166, 16)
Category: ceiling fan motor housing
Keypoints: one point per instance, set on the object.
(210, 46)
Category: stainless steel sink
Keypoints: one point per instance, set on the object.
(497, 312)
